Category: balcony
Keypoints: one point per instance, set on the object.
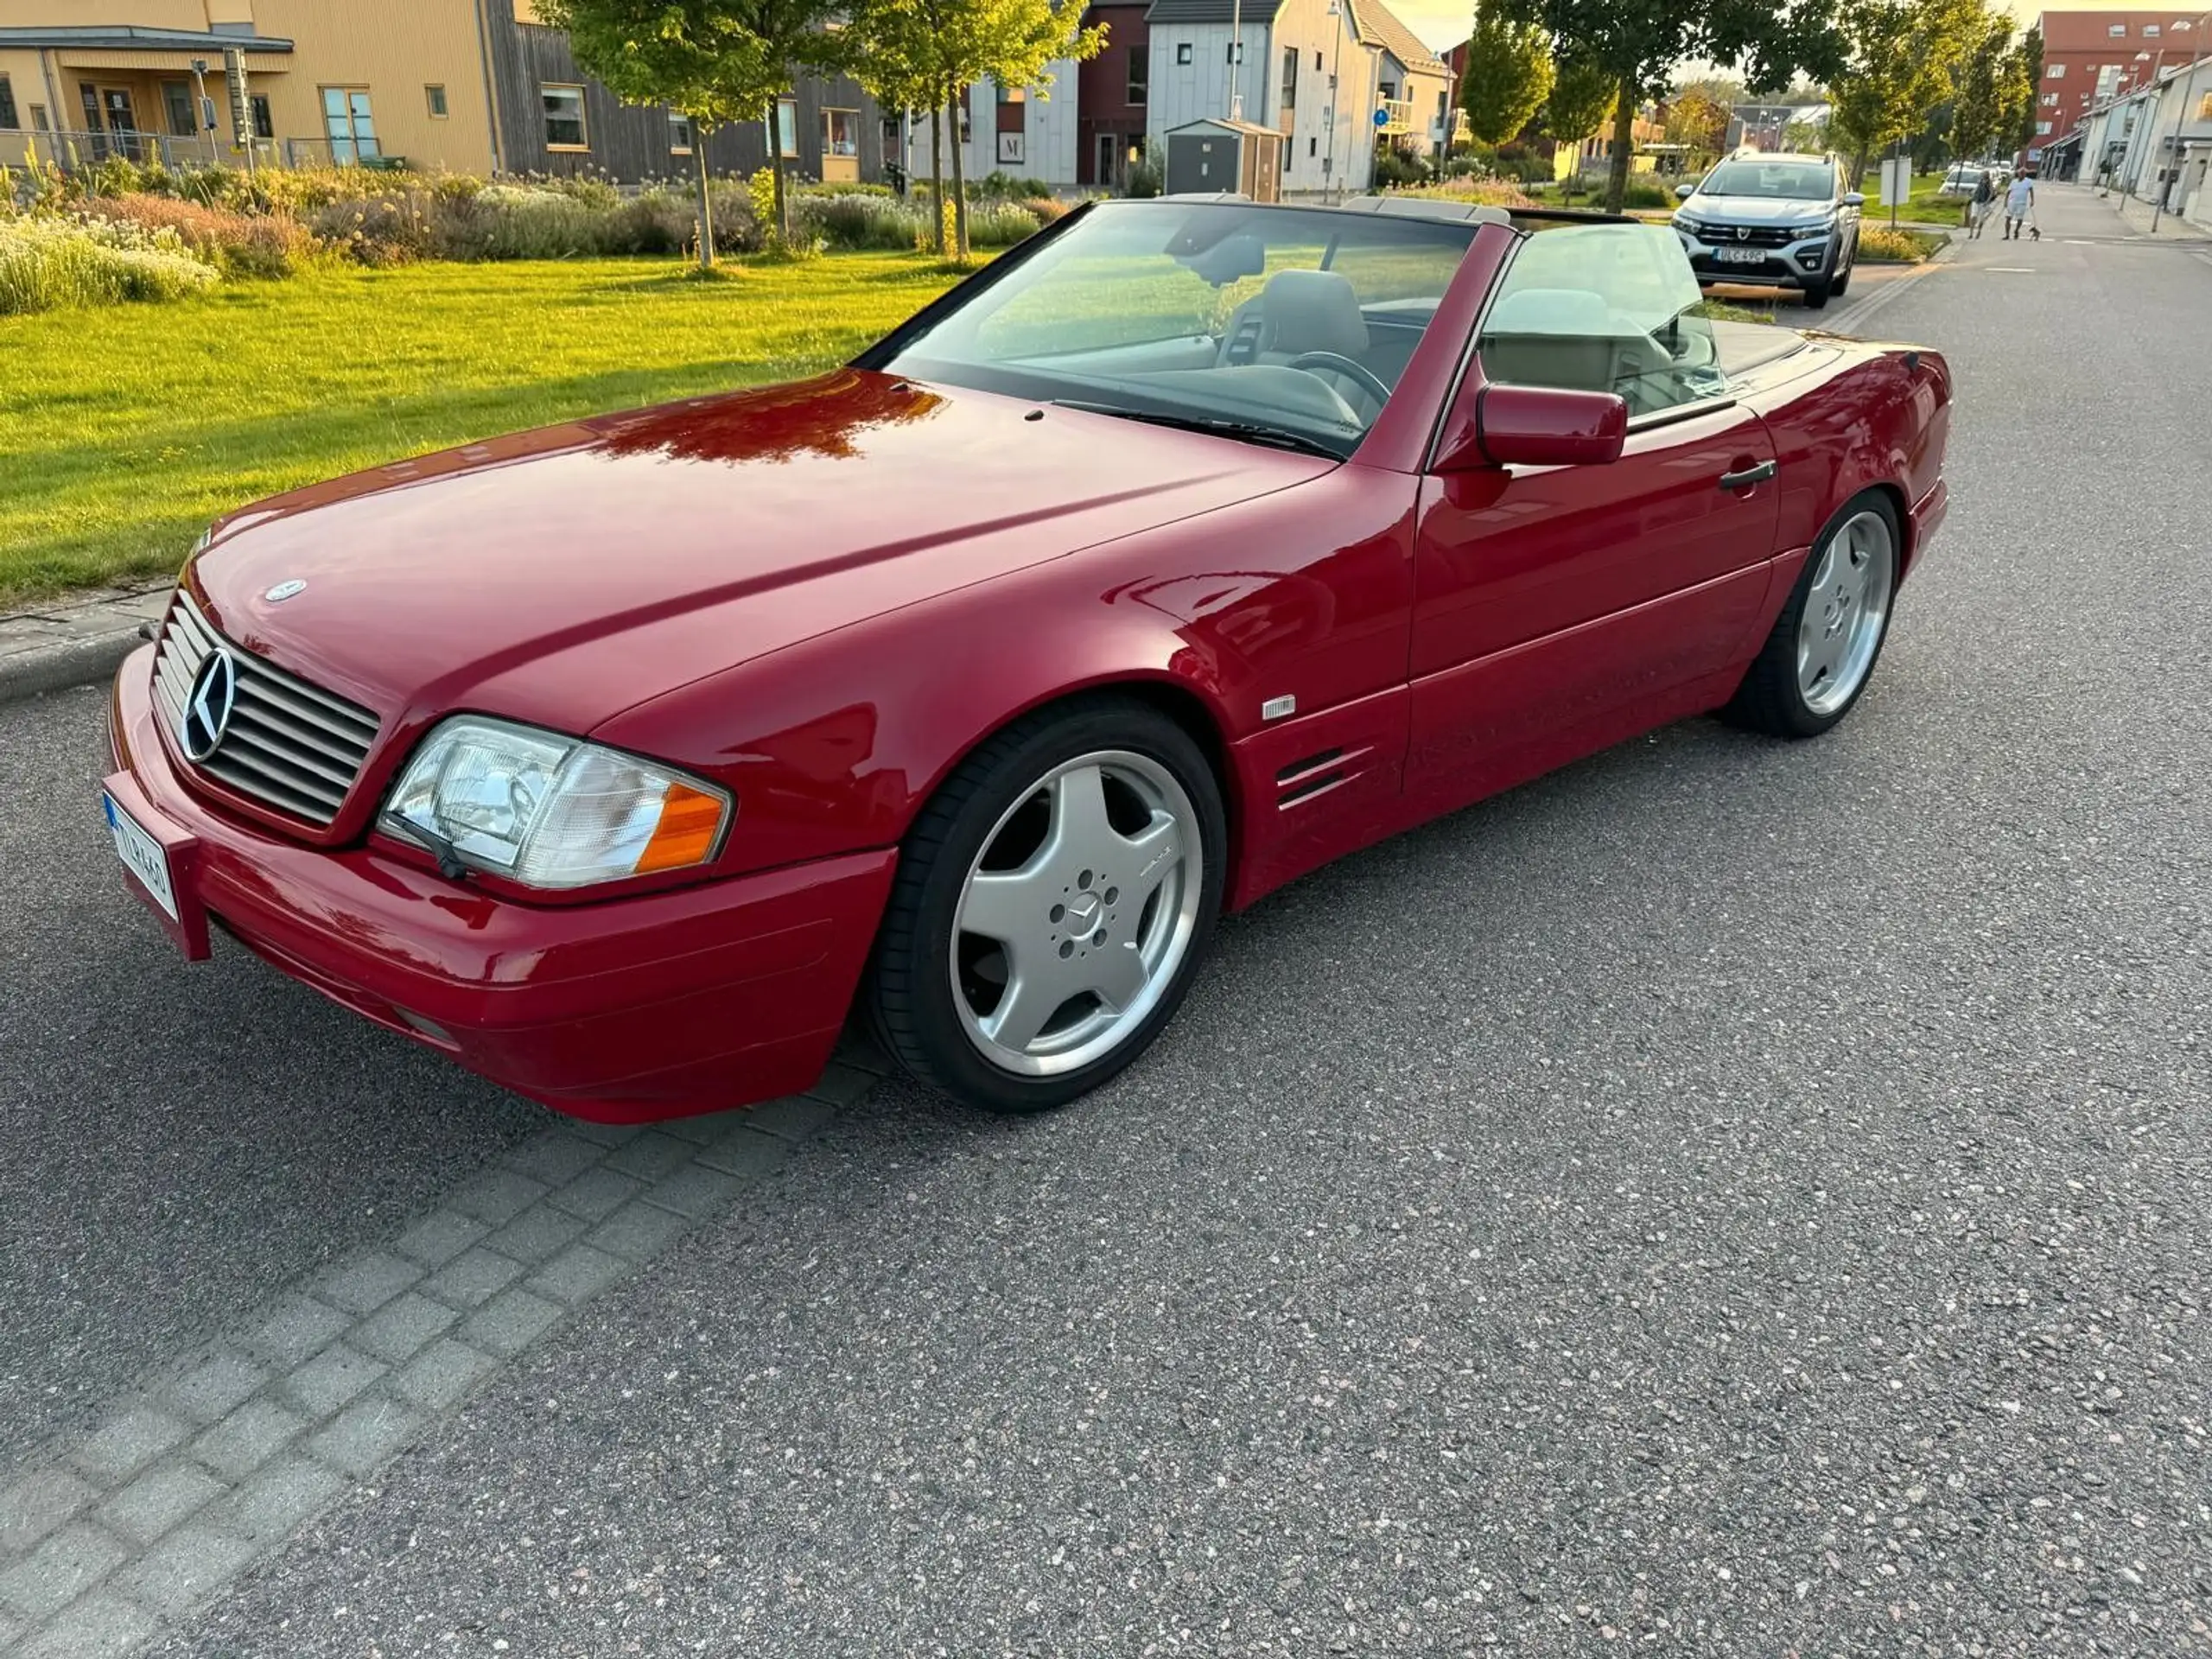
(1400, 112)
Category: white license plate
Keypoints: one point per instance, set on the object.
(1740, 256)
(141, 855)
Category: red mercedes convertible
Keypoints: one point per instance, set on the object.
(1193, 545)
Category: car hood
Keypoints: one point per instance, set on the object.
(564, 575)
(1757, 210)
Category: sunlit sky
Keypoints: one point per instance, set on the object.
(1446, 25)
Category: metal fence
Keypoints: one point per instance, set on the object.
(71, 151)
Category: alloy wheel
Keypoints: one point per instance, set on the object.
(1846, 606)
(1076, 913)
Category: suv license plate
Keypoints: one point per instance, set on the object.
(1740, 256)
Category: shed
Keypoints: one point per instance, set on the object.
(1238, 157)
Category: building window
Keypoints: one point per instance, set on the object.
(679, 134)
(840, 132)
(1312, 146)
(176, 103)
(1010, 94)
(1233, 53)
(8, 104)
(2056, 72)
(434, 96)
(264, 123)
(1317, 59)
(787, 126)
(39, 122)
(2117, 31)
(2150, 31)
(565, 126)
(1289, 78)
(2203, 108)
(347, 124)
(2050, 100)
(1139, 72)
(2042, 127)
(1183, 52)
(1388, 89)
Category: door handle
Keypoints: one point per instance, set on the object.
(1748, 476)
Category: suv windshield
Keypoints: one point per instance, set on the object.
(1271, 324)
(1788, 181)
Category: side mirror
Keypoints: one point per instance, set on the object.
(1854, 198)
(1684, 192)
(1532, 426)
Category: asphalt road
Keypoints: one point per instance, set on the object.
(1725, 1198)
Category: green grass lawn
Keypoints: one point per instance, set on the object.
(123, 431)
(1922, 206)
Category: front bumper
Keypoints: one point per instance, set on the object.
(1798, 264)
(669, 1003)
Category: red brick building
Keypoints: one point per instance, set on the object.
(2120, 48)
(1110, 95)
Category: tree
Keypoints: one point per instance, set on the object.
(948, 46)
(2017, 93)
(1581, 100)
(1905, 55)
(1508, 77)
(716, 62)
(1638, 42)
(1696, 122)
(1978, 109)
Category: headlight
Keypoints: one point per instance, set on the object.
(1688, 225)
(548, 810)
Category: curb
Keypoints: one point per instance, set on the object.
(69, 662)
(65, 645)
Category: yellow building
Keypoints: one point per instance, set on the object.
(468, 85)
(395, 79)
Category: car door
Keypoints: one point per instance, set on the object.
(1558, 609)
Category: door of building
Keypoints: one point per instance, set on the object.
(1108, 172)
(122, 122)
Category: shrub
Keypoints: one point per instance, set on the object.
(242, 244)
(1879, 245)
(1143, 179)
(1046, 210)
(1004, 187)
(1646, 195)
(998, 225)
(46, 262)
(853, 222)
(395, 229)
(1392, 168)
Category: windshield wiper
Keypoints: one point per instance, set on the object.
(1249, 431)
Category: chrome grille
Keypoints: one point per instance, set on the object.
(289, 744)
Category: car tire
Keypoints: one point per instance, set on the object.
(1816, 293)
(1080, 850)
(1843, 270)
(1836, 617)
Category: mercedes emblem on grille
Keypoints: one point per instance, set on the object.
(207, 708)
(283, 590)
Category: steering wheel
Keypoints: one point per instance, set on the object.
(1358, 373)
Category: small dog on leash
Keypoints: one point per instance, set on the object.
(2035, 232)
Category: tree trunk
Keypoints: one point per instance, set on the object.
(775, 171)
(706, 200)
(936, 178)
(1624, 143)
(959, 180)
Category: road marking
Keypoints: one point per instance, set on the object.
(2011, 271)
(2079, 242)
(113, 1537)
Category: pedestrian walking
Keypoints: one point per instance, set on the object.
(2019, 202)
(1985, 197)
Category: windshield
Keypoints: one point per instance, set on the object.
(1260, 322)
(1788, 181)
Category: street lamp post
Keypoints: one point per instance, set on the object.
(1336, 98)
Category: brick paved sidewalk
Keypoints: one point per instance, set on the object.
(70, 641)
